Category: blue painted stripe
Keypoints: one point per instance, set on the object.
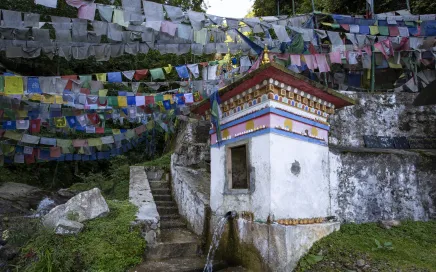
(272, 130)
(275, 111)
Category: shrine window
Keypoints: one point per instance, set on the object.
(237, 167)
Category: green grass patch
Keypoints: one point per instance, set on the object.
(409, 247)
(106, 244)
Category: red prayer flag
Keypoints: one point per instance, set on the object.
(29, 158)
(55, 152)
(99, 130)
(70, 81)
(140, 74)
(149, 100)
(93, 118)
(85, 91)
(35, 126)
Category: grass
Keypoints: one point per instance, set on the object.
(413, 248)
(106, 244)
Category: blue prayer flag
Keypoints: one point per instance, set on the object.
(33, 85)
(114, 77)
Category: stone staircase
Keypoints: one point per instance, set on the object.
(176, 248)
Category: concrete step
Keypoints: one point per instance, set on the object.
(162, 197)
(169, 217)
(164, 203)
(186, 264)
(159, 184)
(167, 210)
(174, 243)
(172, 224)
(160, 191)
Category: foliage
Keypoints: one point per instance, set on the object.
(106, 244)
(352, 7)
(163, 162)
(414, 248)
(385, 246)
(114, 183)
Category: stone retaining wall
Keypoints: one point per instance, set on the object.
(140, 195)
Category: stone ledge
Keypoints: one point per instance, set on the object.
(140, 195)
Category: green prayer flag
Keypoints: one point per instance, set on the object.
(384, 30)
(112, 101)
(2, 84)
(157, 74)
(158, 98)
(86, 81)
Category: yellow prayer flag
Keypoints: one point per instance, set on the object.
(14, 85)
(150, 125)
(394, 65)
(60, 122)
(168, 69)
(168, 97)
(102, 92)
(373, 30)
(326, 24)
(222, 62)
(22, 113)
(36, 97)
(101, 77)
(59, 99)
(116, 131)
(94, 142)
(49, 99)
(122, 101)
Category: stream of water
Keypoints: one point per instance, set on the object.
(215, 242)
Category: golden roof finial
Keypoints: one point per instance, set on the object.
(265, 55)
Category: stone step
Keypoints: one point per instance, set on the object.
(159, 184)
(167, 210)
(165, 203)
(160, 191)
(172, 224)
(186, 264)
(174, 243)
(162, 197)
(169, 217)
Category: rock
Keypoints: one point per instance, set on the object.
(68, 227)
(84, 206)
(360, 263)
(66, 193)
(387, 224)
(8, 252)
(18, 198)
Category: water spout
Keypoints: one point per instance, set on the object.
(218, 232)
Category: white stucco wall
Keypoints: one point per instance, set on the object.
(303, 192)
(278, 190)
(259, 200)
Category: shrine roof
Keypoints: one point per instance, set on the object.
(283, 75)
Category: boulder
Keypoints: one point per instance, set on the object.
(82, 207)
(68, 227)
(18, 198)
(387, 224)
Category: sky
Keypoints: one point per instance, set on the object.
(229, 8)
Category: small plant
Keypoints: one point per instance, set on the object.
(310, 260)
(73, 216)
(385, 246)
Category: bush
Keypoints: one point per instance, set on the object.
(106, 244)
